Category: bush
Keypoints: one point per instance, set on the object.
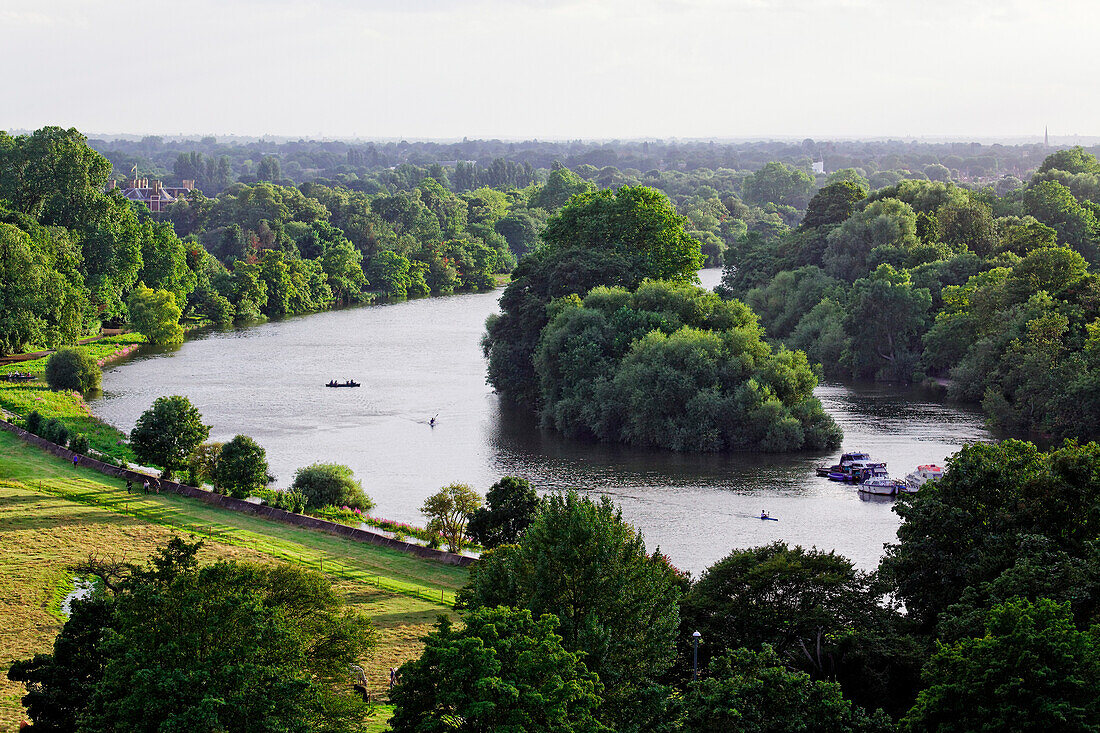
(73, 368)
(331, 484)
(242, 467)
(290, 500)
(34, 422)
(79, 444)
(55, 431)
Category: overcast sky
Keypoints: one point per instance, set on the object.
(553, 69)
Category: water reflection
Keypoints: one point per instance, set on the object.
(421, 359)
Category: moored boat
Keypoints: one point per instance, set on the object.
(921, 476)
(880, 486)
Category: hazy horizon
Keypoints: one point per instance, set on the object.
(555, 69)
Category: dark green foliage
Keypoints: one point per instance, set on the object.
(60, 684)
(330, 484)
(580, 562)
(676, 367)
(1030, 669)
(78, 444)
(816, 611)
(34, 422)
(600, 238)
(833, 204)
(504, 671)
(242, 467)
(753, 692)
(511, 506)
(54, 431)
(74, 369)
(997, 511)
(229, 646)
(168, 432)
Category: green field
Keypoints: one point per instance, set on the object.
(69, 407)
(53, 515)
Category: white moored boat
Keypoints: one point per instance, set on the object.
(921, 476)
(880, 486)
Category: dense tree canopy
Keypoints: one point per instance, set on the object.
(580, 562)
(673, 366)
(504, 671)
(229, 646)
(167, 433)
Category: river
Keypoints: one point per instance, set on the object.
(421, 358)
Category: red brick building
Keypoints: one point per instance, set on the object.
(155, 196)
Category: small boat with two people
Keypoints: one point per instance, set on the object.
(923, 474)
(349, 383)
(767, 517)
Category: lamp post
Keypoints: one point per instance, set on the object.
(695, 654)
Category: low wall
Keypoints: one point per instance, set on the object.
(240, 505)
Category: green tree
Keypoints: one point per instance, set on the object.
(164, 261)
(1071, 160)
(561, 185)
(777, 183)
(39, 303)
(448, 511)
(1030, 670)
(60, 684)
(330, 484)
(242, 467)
(885, 322)
(511, 507)
(155, 315)
(580, 562)
(1054, 205)
(168, 432)
(833, 204)
(800, 602)
(753, 692)
(229, 646)
(504, 671)
(73, 368)
(388, 273)
(976, 523)
(884, 223)
(637, 223)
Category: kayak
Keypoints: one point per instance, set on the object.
(769, 519)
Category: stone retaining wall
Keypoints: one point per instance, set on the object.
(240, 505)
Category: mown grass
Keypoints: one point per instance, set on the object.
(69, 407)
(52, 515)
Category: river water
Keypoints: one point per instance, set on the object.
(421, 358)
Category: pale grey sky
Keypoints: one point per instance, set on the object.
(553, 68)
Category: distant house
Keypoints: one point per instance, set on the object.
(156, 196)
(819, 166)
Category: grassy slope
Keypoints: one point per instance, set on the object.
(52, 515)
(69, 407)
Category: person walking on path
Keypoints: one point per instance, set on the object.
(129, 486)
(76, 460)
(145, 487)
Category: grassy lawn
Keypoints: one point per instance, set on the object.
(69, 407)
(52, 515)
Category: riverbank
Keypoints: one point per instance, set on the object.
(52, 516)
(20, 398)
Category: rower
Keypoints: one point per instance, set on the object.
(431, 423)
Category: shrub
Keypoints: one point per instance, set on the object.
(331, 484)
(242, 467)
(290, 500)
(55, 431)
(73, 368)
(34, 422)
(79, 444)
